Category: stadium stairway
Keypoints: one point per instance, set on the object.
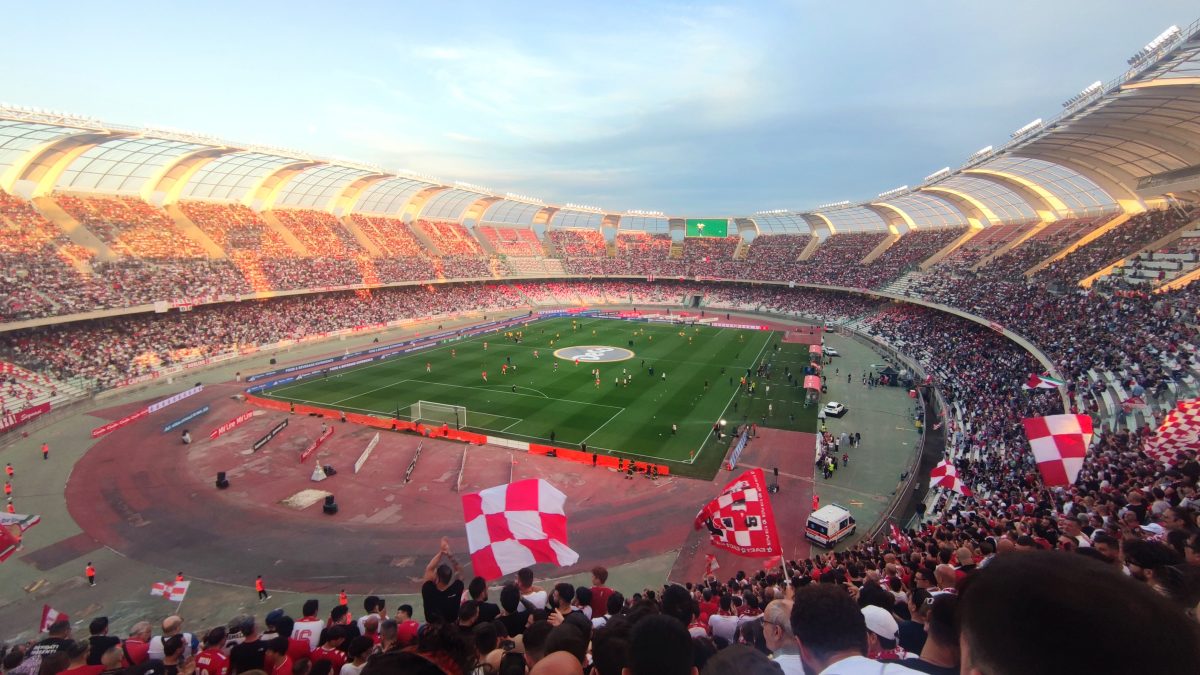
(1080, 242)
(193, 232)
(902, 285)
(292, 241)
(361, 237)
(814, 242)
(74, 229)
(881, 248)
(1162, 242)
(950, 248)
(1015, 242)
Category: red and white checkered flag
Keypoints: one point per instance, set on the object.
(945, 475)
(516, 525)
(1178, 437)
(173, 591)
(740, 520)
(1059, 444)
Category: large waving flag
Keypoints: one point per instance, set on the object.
(740, 520)
(1178, 437)
(515, 525)
(945, 475)
(1043, 381)
(173, 591)
(50, 616)
(1059, 444)
(12, 528)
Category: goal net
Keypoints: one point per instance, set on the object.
(428, 412)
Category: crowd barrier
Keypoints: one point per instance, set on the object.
(606, 461)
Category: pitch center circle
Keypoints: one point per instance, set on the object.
(594, 354)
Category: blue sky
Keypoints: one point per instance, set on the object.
(698, 108)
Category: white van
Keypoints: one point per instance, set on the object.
(829, 524)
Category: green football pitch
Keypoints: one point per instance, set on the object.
(695, 383)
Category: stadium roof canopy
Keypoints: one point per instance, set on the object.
(1113, 146)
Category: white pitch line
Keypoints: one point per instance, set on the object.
(370, 391)
(585, 440)
(735, 393)
(511, 393)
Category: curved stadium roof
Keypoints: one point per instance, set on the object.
(1113, 146)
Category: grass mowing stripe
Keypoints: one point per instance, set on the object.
(757, 360)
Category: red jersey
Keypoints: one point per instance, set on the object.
(600, 595)
(212, 662)
(342, 599)
(335, 658)
(283, 667)
(298, 649)
(136, 653)
(84, 670)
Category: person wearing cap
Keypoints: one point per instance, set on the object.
(881, 634)
(271, 621)
(832, 633)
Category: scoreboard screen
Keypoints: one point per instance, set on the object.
(707, 227)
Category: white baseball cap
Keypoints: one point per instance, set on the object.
(880, 622)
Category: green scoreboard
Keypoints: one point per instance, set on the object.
(707, 227)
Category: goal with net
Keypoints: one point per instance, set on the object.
(429, 412)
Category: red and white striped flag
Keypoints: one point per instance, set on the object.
(1059, 444)
(710, 565)
(173, 591)
(50, 616)
(515, 525)
(945, 475)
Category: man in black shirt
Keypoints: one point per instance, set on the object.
(442, 589)
(477, 589)
(100, 640)
(59, 640)
(250, 654)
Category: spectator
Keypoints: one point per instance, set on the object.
(832, 632)
(777, 632)
(442, 589)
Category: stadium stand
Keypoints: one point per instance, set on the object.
(512, 241)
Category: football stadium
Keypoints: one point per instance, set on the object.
(345, 409)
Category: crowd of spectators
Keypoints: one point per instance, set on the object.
(319, 232)
(983, 244)
(577, 243)
(512, 241)
(450, 239)
(1050, 239)
(1119, 242)
(131, 227)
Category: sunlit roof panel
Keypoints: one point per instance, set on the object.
(855, 219)
(652, 224)
(1006, 204)
(580, 219)
(1074, 189)
(314, 188)
(450, 205)
(508, 212)
(927, 211)
(122, 165)
(782, 223)
(389, 196)
(18, 138)
(229, 177)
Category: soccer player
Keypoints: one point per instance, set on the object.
(485, 346)
(556, 366)
(535, 353)
(576, 363)
(453, 353)
(503, 368)
(428, 367)
(485, 376)
(597, 383)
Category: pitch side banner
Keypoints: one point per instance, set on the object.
(154, 407)
(270, 434)
(231, 424)
(185, 419)
(746, 326)
(20, 417)
(117, 424)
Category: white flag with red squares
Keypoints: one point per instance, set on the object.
(945, 475)
(173, 591)
(1178, 437)
(516, 525)
(740, 519)
(710, 565)
(1059, 444)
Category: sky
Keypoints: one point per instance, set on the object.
(690, 108)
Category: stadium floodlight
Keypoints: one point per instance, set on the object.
(583, 207)
(938, 175)
(1153, 46)
(982, 152)
(834, 205)
(522, 198)
(639, 212)
(772, 212)
(893, 192)
(1032, 126)
(1088, 91)
(473, 187)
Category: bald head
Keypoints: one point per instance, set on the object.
(557, 663)
(1005, 545)
(944, 575)
(171, 625)
(964, 556)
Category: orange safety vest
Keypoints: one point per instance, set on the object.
(90, 571)
(258, 585)
(342, 599)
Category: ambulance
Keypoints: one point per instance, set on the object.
(829, 524)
